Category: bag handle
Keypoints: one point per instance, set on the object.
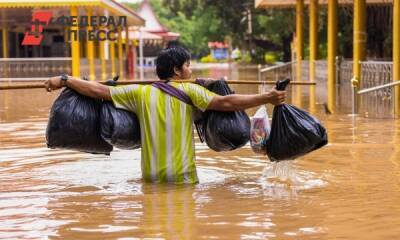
(181, 95)
(281, 84)
(173, 91)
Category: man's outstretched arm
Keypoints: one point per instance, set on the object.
(87, 88)
(237, 102)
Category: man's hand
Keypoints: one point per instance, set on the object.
(238, 102)
(276, 97)
(91, 89)
(53, 83)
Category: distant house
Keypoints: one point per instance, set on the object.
(219, 50)
(155, 35)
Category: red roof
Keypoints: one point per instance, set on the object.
(217, 45)
(153, 25)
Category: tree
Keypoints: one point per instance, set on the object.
(202, 21)
(272, 30)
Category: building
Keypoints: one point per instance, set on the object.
(58, 51)
(154, 34)
(364, 73)
(219, 50)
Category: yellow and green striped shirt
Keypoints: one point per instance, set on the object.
(166, 128)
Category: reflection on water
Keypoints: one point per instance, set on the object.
(283, 179)
(346, 190)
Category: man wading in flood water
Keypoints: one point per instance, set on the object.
(166, 123)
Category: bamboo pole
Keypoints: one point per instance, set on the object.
(90, 49)
(299, 47)
(41, 85)
(313, 49)
(396, 54)
(75, 54)
(332, 51)
(359, 42)
(112, 55)
(120, 53)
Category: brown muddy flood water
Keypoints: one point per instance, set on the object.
(349, 189)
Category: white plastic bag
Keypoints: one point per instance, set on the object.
(260, 130)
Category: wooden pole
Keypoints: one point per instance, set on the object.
(249, 82)
(332, 51)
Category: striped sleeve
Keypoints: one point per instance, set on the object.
(125, 97)
(200, 96)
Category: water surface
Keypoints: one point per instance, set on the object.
(349, 189)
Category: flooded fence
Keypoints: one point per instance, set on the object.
(379, 103)
(343, 87)
(277, 72)
(37, 69)
(30, 69)
(376, 104)
(344, 73)
(282, 71)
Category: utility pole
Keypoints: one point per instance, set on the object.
(250, 32)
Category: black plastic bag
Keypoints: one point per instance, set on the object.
(294, 132)
(118, 127)
(74, 124)
(224, 131)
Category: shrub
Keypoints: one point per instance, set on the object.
(208, 59)
(270, 58)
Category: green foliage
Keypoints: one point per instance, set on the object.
(323, 50)
(196, 29)
(208, 59)
(270, 58)
(202, 21)
(133, 6)
(246, 58)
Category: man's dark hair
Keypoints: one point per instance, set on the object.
(169, 58)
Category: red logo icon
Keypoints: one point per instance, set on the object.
(39, 19)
